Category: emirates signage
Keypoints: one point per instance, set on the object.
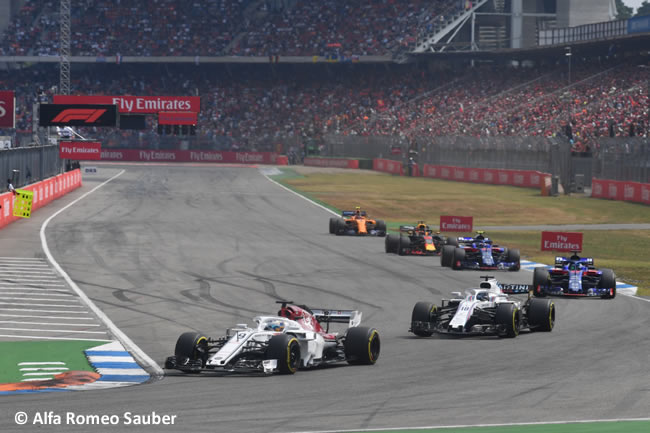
(7, 109)
(561, 241)
(177, 118)
(80, 150)
(456, 223)
(136, 104)
(77, 115)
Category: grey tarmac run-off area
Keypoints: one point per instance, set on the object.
(166, 249)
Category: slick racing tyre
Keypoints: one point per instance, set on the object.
(380, 226)
(404, 244)
(285, 348)
(514, 256)
(362, 345)
(541, 279)
(508, 316)
(608, 281)
(333, 225)
(541, 315)
(392, 243)
(452, 241)
(340, 227)
(447, 256)
(459, 257)
(191, 346)
(423, 312)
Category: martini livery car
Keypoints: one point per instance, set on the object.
(574, 276)
(293, 339)
(485, 310)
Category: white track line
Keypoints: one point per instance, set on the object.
(124, 339)
(29, 304)
(336, 214)
(40, 299)
(47, 298)
(42, 311)
(3, 288)
(42, 363)
(43, 368)
(45, 317)
(49, 323)
(446, 427)
(40, 337)
(71, 331)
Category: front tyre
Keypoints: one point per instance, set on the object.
(423, 312)
(541, 279)
(513, 256)
(333, 225)
(507, 315)
(190, 348)
(447, 256)
(608, 281)
(380, 227)
(362, 345)
(392, 243)
(284, 348)
(541, 315)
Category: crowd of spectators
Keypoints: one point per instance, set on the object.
(103, 28)
(252, 107)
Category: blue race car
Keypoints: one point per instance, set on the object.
(574, 276)
(479, 253)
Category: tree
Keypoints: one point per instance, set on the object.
(623, 12)
(644, 9)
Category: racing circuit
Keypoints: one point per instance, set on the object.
(164, 249)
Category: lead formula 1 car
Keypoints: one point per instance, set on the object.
(479, 252)
(356, 223)
(293, 339)
(486, 310)
(574, 276)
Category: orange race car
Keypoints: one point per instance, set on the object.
(356, 223)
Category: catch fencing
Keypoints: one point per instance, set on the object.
(25, 165)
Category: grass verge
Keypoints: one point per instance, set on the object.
(403, 200)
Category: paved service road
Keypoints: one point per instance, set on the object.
(166, 249)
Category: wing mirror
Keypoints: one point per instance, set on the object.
(456, 295)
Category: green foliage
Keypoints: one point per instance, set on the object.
(644, 9)
(623, 11)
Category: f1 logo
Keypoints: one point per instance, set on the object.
(87, 115)
(3, 110)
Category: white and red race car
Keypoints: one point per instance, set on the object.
(293, 339)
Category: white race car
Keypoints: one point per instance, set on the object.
(293, 339)
(484, 310)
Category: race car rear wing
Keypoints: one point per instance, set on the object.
(406, 228)
(351, 317)
(352, 213)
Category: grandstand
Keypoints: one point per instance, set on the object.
(294, 75)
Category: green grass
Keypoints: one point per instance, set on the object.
(403, 200)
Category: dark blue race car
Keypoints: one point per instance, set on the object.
(479, 252)
(574, 276)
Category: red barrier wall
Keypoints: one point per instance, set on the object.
(44, 192)
(332, 162)
(619, 190)
(188, 156)
(387, 166)
(523, 178)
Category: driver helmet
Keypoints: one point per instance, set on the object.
(275, 326)
(483, 296)
(358, 210)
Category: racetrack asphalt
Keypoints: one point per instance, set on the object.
(171, 248)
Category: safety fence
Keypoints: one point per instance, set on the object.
(25, 165)
(44, 192)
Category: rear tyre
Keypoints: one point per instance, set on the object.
(380, 226)
(508, 316)
(608, 281)
(459, 257)
(191, 346)
(514, 256)
(286, 350)
(447, 256)
(362, 345)
(423, 312)
(541, 279)
(333, 225)
(541, 315)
